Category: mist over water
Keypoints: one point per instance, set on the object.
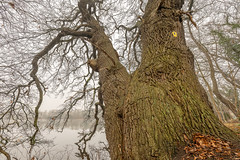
(57, 145)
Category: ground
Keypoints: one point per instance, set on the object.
(209, 147)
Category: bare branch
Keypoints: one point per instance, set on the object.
(202, 48)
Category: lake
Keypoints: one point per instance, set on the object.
(61, 145)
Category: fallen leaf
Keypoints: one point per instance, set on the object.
(12, 5)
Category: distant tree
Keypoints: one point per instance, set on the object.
(215, 44)
(230, 45)
(148, 91)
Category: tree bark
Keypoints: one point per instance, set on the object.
(113, 79)
(164, 101)
(148, 114)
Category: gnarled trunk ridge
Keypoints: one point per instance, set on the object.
(148, 113)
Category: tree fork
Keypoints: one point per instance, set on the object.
(148, 114)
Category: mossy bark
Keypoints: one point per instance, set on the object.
(150, 114)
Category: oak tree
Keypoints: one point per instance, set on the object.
(149, 112)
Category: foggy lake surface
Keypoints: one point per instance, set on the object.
(61, 145)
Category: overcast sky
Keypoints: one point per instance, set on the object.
(51, 102)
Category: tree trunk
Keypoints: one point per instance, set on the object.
(148, 115)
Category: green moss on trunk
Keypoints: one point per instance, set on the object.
(163, 103)
(159, 114)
